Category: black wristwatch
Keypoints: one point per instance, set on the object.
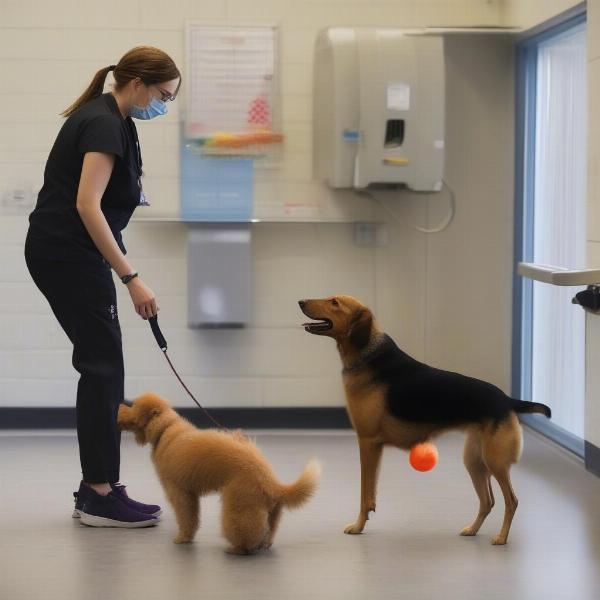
(127, 278)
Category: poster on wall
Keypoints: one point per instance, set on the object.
(232, 104)
(231, 120)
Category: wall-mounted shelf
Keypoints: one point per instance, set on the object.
(559, 275)
(491, 29)
(314, 221)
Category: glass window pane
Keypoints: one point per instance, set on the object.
(559, 225)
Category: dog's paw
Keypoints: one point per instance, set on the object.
(181, 539)
(468, 531)
(354, 528)
(499, 540)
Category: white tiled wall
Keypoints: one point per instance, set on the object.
(445, 297)
(529, 13)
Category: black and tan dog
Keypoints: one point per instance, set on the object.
(393, 399)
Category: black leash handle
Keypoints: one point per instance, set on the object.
(162, 344)
(158, 336)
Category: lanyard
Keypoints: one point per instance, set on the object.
(143, 201)
(138, 150)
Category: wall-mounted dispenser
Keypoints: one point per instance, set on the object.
(379, 108)
(219, 275)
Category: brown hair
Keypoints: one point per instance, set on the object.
(150, 64)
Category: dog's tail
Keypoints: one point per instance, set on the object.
(521, 406)
(296, 494)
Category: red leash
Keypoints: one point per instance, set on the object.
(162, 344)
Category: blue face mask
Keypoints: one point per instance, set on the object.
(156, 108)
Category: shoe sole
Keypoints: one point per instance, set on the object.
(77, 514)
(94, 521)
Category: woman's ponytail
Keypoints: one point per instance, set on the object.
(94, 90)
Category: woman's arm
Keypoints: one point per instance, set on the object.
(95, 173)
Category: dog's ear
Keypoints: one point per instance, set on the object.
(140, 437)
(359, 329)
(147, 415)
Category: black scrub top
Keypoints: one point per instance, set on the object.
(56, 231)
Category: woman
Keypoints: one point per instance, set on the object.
(92, 184)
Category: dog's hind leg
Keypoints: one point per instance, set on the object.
(244, 521)
(510, 506)
(370, 459)
(481, 480)
(187, 513)
(501, 448)
(273, 524)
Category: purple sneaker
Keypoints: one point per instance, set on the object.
(147, 509)
(85, 491)
(81, 495)
(111, 511)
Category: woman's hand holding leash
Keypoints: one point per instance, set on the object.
(142, 297)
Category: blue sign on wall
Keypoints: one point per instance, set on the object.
(215, 188)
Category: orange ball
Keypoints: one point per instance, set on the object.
(423, 457)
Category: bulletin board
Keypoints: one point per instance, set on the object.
(231, 123)
(232, 100)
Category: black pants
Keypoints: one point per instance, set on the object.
(83, 299)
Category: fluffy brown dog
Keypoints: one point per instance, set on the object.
(395, 400)
(192, 463)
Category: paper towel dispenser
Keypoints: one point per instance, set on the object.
(219, 275)
(379, 108)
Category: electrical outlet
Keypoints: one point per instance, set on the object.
(17, 200)
(370, 234)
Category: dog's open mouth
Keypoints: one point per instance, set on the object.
(318, 326)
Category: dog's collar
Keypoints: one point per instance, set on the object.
(373, 348)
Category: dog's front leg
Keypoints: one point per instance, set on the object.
(187, 513)
(370, 458)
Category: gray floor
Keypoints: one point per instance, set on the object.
(411, 548)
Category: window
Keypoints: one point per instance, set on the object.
(550, 221)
